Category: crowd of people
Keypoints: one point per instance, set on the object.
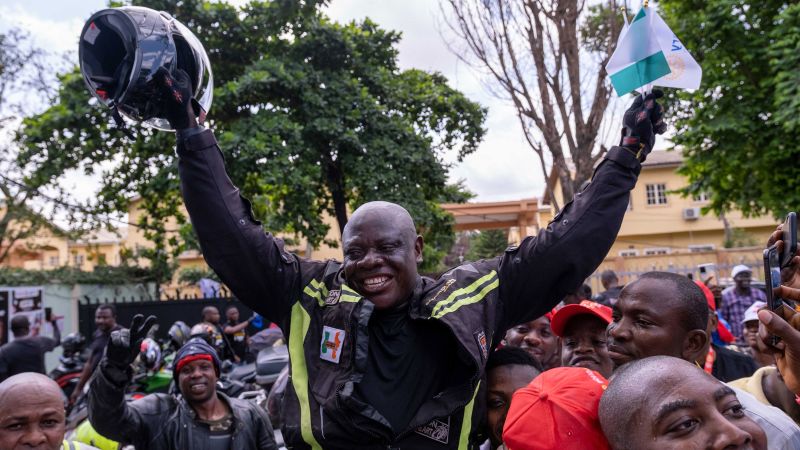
(509, 352)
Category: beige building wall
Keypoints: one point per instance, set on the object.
(660, 219)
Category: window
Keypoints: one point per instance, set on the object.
(656, 194)
(53, 261)
(701, 248)
(657, 251)
(78, 259)
(700, 198)
(629, 252)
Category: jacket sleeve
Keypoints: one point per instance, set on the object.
(535, 276)
(265, 436)
(109, 413)
(252, 263)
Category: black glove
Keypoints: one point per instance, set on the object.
(642, 121)
(180, 108)
(123, 345)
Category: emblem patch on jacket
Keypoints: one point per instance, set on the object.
(333, 297)
(332, 342)
(480, 338)
(436, 429)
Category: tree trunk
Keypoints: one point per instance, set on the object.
(335, 178)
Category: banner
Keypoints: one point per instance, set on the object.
(30, 302)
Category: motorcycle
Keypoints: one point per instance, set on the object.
(70, 364)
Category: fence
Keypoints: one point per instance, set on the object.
(166, 311)
(629, 268)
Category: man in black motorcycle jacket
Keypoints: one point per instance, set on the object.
(381, 357)
(200, 418)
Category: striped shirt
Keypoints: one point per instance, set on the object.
(734, 305)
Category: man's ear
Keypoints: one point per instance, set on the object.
(418, 248)
(694, 345)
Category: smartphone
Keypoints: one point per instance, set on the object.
(48, 314)
(789, 239)
(707, 271)
(772, 279)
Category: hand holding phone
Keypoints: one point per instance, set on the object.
(772, 279)
(789, 239)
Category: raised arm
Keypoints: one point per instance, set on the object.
(109, 413)
(252, 263)
(544, 268)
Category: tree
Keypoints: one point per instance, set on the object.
(739, 131)
(538, 55)
(488, 244)
(314, 117)
(23, 210)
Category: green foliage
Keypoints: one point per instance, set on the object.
(105, 275)
(740, 238)
(313, 117)
(193, 275)
(739, 130)
(488, 244)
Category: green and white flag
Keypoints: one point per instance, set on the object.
(648, 53)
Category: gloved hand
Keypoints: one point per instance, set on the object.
(123, 345)
(180, 108)
(642, 121)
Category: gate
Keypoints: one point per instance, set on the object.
(166, 312)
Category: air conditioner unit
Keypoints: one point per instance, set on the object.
(691, 213)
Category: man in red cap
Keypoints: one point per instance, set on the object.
(664, 403)
(582, 329)
(557, 411)
(537, 338)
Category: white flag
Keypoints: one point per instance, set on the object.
(648, 53)
(685, 72)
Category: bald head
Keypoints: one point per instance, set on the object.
(29, 381)
(384, 210)
(650, 401)
(31, 412)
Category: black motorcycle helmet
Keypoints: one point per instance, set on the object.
(120, 51)
(179, 333)
(73, 343)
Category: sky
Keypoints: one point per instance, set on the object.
(503, 168)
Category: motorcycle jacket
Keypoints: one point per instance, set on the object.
(167, 422)
(326, 321)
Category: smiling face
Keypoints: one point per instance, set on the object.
(583, 344)
(646, 321)
(691, 410)
(537, 338)
(197, 381)
(31, 413)
(381, 251)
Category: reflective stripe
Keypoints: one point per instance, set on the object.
(442, 309)
(462, 291)
(349, 295)
(318, 290)
(312, 293)
(466, 423)
(297, 334)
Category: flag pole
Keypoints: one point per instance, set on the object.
(648, 87)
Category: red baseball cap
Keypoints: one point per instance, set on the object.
(724, 333)
(558, 410)
(559, 320)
